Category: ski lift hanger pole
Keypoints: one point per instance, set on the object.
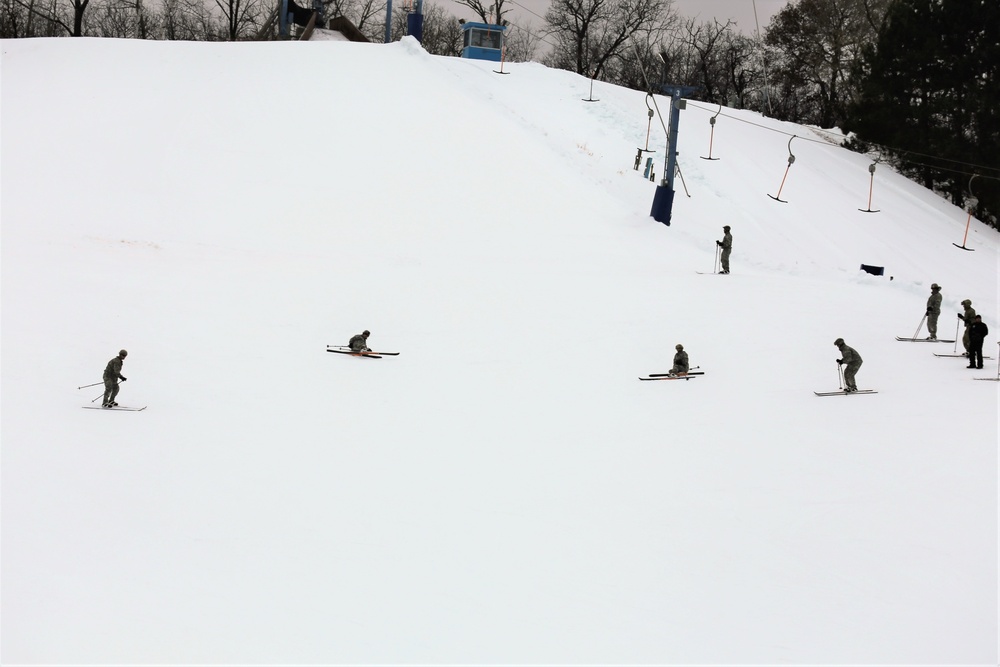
(971, 206)
(649, 125)
(711, 135)
(871, 186)
(591, 98)
(791, 161)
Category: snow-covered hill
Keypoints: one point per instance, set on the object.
(505, 490)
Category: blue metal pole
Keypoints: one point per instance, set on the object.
(415, 22)
(388, 21)
(283, 19)
(675, 121)
(663, 199)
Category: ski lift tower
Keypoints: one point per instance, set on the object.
(415, 21)
(663, 200)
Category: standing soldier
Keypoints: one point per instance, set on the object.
(681, 365)
(968, 317)
(727, 247)
(113, 373)
(359, 343)
(850, 357)
(977, 334)
(933, 310)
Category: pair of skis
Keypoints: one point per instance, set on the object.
(120, 408)
(842, 391)
(956, 355)
(670, 376)
(966, 356)
(341, 349)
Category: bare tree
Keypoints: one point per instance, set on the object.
(707, 43)
(368, 16)
(442, 35)
(591, 34)
(70, 22)
(27, 19)
(521, 44)
(79, 8)
(240, 16)
(816, 44)
(492, 12)
(183, 20)
(122, 19)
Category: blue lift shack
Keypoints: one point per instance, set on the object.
(482, 41)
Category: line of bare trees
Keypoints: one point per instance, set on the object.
(799, 69)
(215, 20)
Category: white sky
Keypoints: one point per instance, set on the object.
(530, 11)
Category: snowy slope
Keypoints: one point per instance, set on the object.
(505, 490)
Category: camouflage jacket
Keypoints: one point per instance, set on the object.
(680, 362)
(113, 371)
(934, 303)
(849, 355)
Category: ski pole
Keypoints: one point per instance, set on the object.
(956, 338)
(715, 267)
(95, 400)
(91, 385)
(840, 375)
(915, 333)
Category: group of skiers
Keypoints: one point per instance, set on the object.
(850, 361)
(972, 339)
(681, 364)
(975, 329)
(113, 370)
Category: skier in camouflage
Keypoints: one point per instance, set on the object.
(968, 317)
(727, 248)
(852, 361)
(112, 374)
(681, 365)
(359, 343)
(933, 310)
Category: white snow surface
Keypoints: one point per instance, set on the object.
(505, 491)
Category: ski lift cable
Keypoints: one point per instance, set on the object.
(880, 147)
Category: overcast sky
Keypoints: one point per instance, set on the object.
(525, 12)
(741, 10)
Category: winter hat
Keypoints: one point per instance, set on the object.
(967, 302)
(726, 228)
(122, 354)
(678, 347)
(838, 342)
(366, 332)
(935, 286)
